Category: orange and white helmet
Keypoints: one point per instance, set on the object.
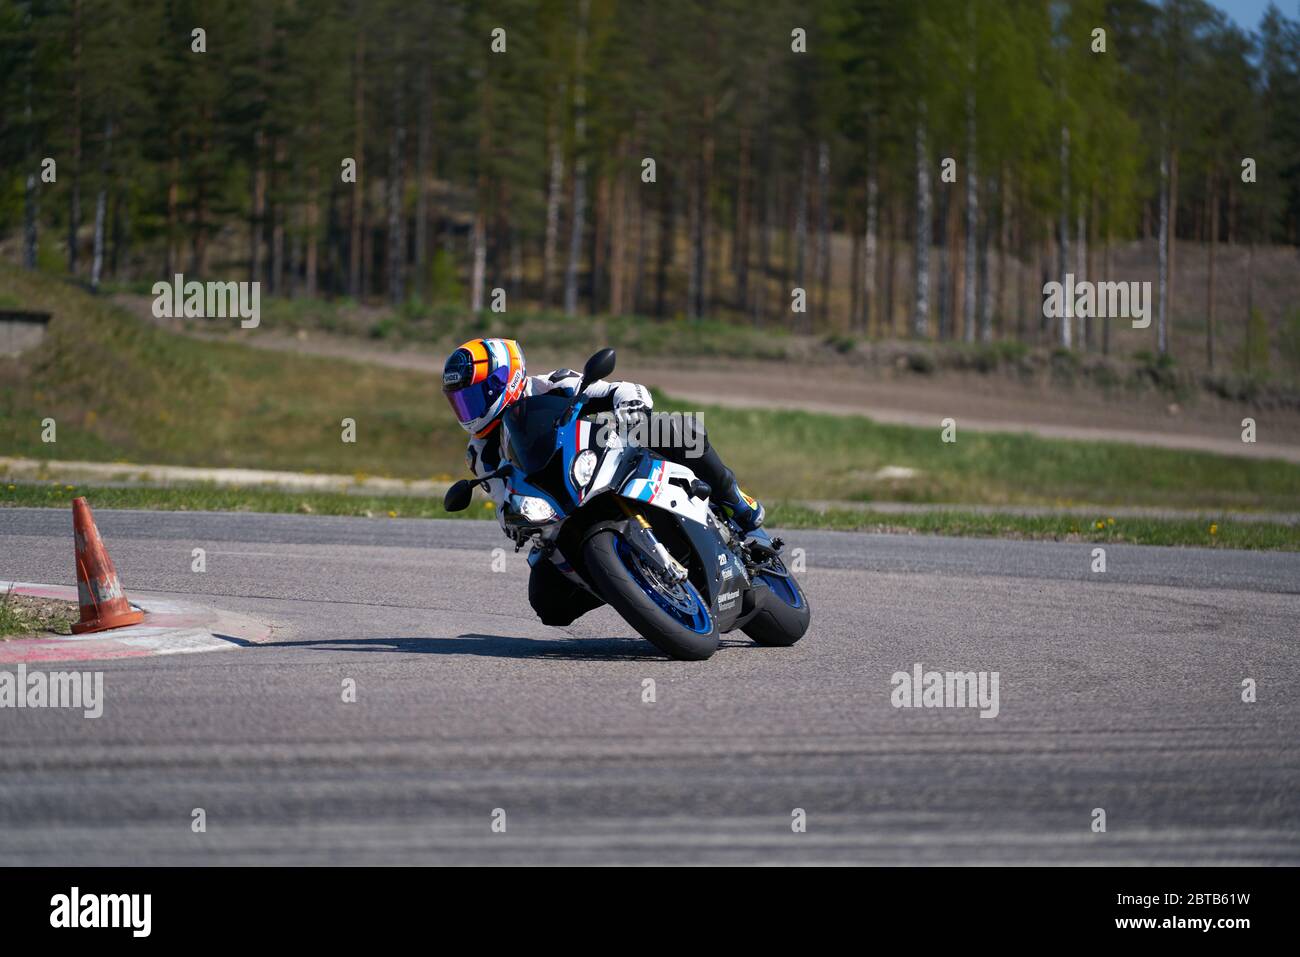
(481, 379)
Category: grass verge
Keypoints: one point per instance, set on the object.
(122, 389)
(1205, 533)
(23, 615)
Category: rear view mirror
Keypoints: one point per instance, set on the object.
(458, 496)
(598, 366)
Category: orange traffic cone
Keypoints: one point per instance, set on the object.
(103, 603)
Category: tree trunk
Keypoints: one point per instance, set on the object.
(1004, 243)
(277, 211)
(478, 269)
(1022, 268)
(972, 222)
(985, 289)
(921, 257)
(579, 163)
(599, 243)
(101, 207)
(1250, 298)
(667, 244)
(1105, 326)
(396, 234)
(639, 251)
(1211, 192)
(1080, 263)
(947, 292)
(358, 156)
(1172, 240)
(855, 280)
(173, 216)
(744, 191)
(201, 194)
(423, 151)
(1162, 257)
(869, 251)
(891, 265)
(1094, 203)
(257, 213)
(765, 227)
(311, 266)
(74, 204)
(702, 220)
(1232, 211)
(824, 229)
(31, 198)
(801, 224)
(31, 217)
(1067, 332)
(694, 279)
(1048, 262)
(554, 187)
(618, 236)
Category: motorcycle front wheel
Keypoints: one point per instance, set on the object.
(671, 616)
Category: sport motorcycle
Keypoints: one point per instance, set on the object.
(636, 530)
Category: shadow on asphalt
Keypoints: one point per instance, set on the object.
(498, 646)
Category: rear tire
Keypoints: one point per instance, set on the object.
(619, 586)
(778, 623)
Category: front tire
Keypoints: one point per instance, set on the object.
(687, 633)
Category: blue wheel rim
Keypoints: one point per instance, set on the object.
(697, 619)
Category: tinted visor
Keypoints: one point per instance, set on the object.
(473, 401)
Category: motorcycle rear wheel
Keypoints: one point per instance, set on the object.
(783, 615)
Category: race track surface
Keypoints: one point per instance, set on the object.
(1119, 691)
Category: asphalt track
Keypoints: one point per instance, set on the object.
(1119, 691)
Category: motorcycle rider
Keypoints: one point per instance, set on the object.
(484, 377)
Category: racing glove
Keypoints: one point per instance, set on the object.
(629, 413)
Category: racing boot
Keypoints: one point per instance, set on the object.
(746, 512)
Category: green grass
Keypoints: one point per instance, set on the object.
(23, 615)
(1208, 533)
(212, 498)
(805, 455)
(123, 390)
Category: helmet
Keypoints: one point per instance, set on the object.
(481, 379)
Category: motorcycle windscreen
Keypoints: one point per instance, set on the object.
(530, 431)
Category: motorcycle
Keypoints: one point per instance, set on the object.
(635, 530)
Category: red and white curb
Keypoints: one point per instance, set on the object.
(169, 628)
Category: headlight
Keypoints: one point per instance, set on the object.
(584, 467)
(533, 509)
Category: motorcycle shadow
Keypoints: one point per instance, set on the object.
(499, 646)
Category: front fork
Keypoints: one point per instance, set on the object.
(642, 538)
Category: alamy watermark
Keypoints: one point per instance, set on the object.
(75, 909)
(656, 430)
(946, 689)
(58, 689)
(1098, 300)
(179, 299)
